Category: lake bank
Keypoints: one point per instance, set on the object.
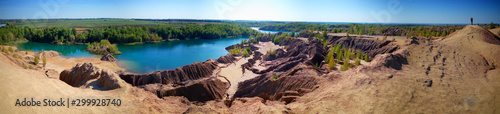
(149, 57)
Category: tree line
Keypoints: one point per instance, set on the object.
(370, 29)
(121, 35)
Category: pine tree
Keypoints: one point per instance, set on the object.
(357, 62)
(44, 61)
(331, 64)
(339, 56)
(358, 54)
(329, 55)
(366, 57)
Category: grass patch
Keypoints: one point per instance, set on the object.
(235, 50)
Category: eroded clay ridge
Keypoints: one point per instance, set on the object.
(83, 75)
(177, 76)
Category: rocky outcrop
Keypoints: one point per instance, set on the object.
(298, 52)
(108, 57)
(192, 81)
(47, 54)
(391, 60)
(109, 80)
(80, 74)
(251, 62)
(303, 80)
(185, 73)
(226, 59)
(371, 47)
(278, 54)
(83, 73)
(199, 90)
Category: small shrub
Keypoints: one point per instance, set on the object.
(331, 64)
(316, 66)
(26, 52)
(44, 61)
(343, 68)
(113, 49)
(17, 56)
(361, 56)
(329, 55)
(366, 57)
(385, 38)
(275, 76)
(248, 49)
(339, 56)
(11, 50)
(235, 50)
(337, 48)
(358, 54)
(31, 67)
(357, 62)
(25, 67)
(393, 39)
(271, 51)
(245, 53)
(36, 61)
(346, 65)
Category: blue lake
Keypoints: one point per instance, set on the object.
(269, 31)
(145, 58)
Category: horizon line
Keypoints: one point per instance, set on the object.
(317, 22)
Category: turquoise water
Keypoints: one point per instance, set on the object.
(145, 58)
(65, 50)
(268, 31)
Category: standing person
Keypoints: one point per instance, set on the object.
(471, 20)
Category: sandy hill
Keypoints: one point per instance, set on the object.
(19, 83)
(456, 75)
(496, 31)
(479, 40)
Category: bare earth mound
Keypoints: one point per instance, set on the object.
(456, 75)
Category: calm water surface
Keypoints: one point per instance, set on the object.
(145, 58)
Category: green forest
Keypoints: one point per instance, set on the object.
(121, 35)
(370, 29)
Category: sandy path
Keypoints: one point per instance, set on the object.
(233, 72)
(266, 46)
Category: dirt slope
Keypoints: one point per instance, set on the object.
(18, 83)
(457, 75)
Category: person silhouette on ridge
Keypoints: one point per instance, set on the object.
(471, 20)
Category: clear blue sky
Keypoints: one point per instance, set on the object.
(364, 11)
